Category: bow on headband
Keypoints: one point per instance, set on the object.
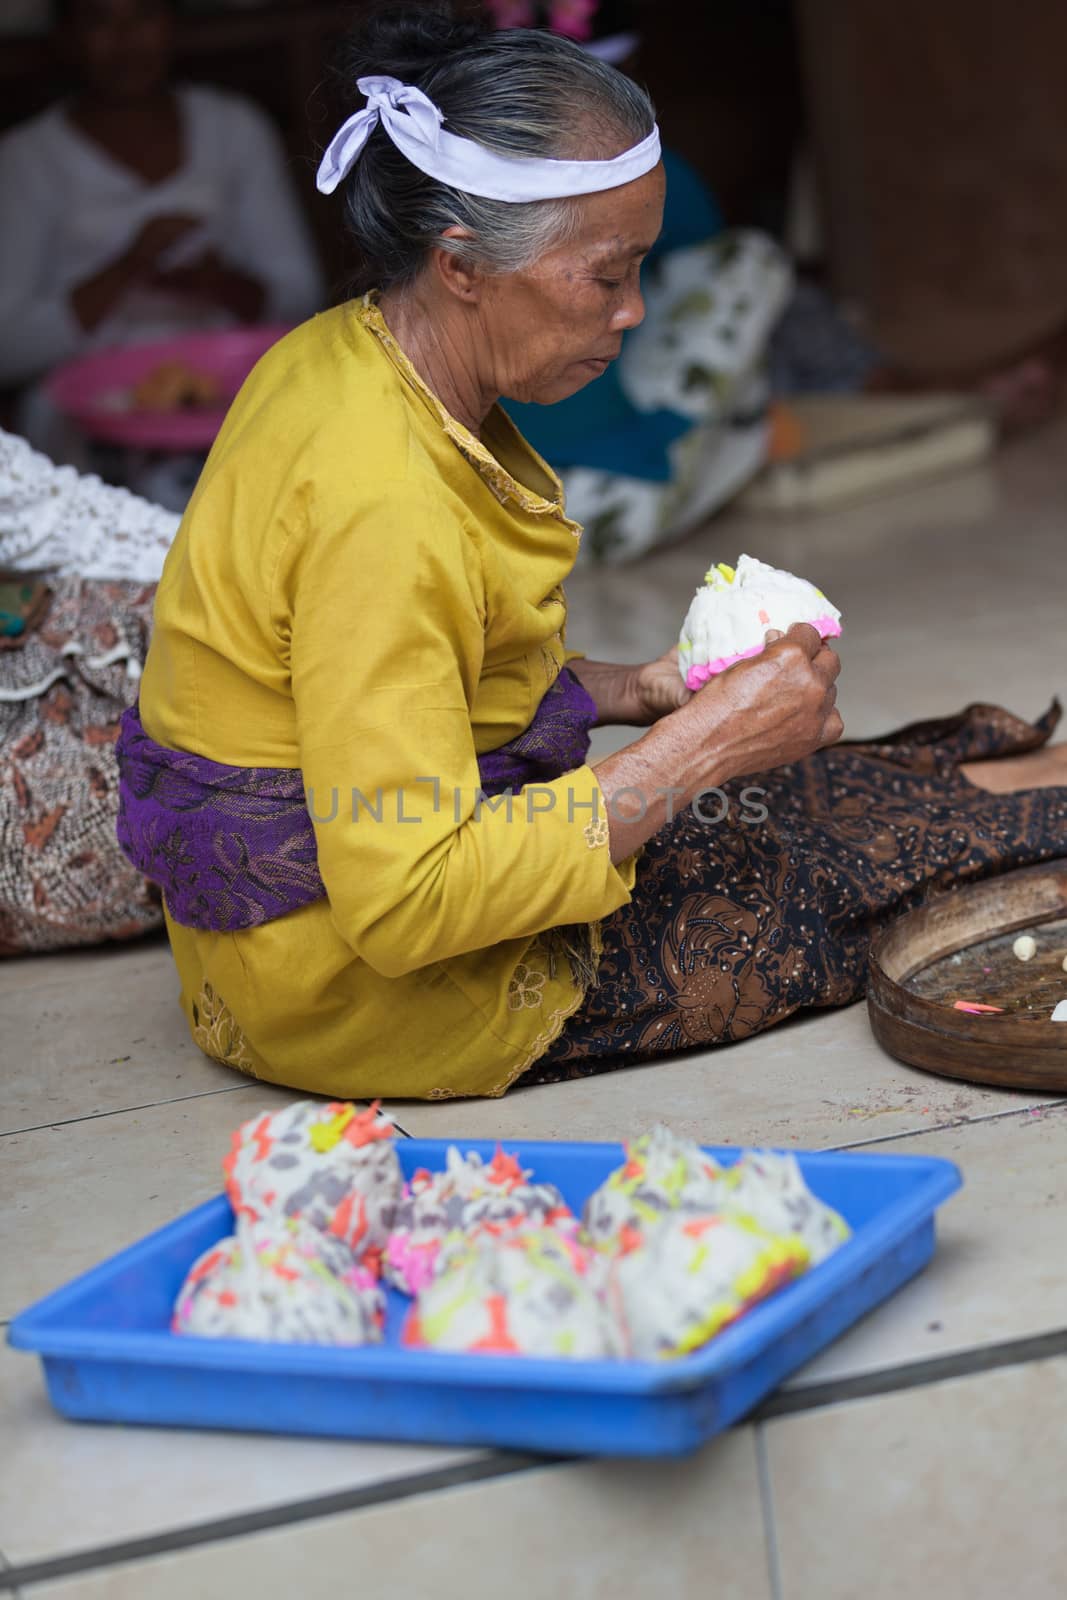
(401, 107)
(414, 124)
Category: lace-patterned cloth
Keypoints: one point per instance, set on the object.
(55, 519)
(234, 847)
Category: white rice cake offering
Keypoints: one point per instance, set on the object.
(661, 1173)
(530, 1293)
(280, 1280)
(769, 1188)
(691, 1276)
(334, 1167)
(470, 1194)
(730, 615)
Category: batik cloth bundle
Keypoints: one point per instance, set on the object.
(64, 684)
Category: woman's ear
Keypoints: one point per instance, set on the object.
(456, 273)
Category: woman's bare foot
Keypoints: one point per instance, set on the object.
(1037, 769)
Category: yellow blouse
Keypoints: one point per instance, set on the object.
(364, 590)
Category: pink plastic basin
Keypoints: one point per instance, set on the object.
(96, 390)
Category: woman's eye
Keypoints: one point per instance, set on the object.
(611, 283)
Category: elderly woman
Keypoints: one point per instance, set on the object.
(359, 771)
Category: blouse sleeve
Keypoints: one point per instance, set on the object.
(385, 624)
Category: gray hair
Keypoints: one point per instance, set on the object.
(519, 92)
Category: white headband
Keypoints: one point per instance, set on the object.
(413, 123)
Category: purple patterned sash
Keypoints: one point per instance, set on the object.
(234, 847)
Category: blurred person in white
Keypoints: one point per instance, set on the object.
(138, 208)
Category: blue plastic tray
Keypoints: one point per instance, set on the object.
(109, 1356)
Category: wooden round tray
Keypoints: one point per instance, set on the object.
(959, 947)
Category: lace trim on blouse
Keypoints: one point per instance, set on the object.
(502, 482)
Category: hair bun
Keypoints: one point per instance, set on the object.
(405, 41)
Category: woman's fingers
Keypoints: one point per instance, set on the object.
(824, 662)
(801, 633)
(807, 637)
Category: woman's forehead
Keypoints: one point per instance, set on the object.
(618, 247)
(622, 222)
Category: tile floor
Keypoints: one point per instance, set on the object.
(921, 1453)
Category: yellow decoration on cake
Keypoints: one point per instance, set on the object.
(324, 1135)
(719, 574)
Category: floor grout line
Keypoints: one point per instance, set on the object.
(152, 1105)
(5, 1566)
(912, 1375)
(234, 1088)
(961, 1122)
(770, 1528)
(483, 1469)
(918, 1132)
(487, 1468)
(498, 1464)
(119, 1111)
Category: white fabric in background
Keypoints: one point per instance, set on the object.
(710, 310)
(53, 519)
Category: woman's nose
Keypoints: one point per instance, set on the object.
(630, 313)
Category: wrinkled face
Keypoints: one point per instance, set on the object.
(121, 49)
(558, 324)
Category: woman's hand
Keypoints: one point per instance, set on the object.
(632, 696)
(772, 709)
(762, 713)
(658, 688)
